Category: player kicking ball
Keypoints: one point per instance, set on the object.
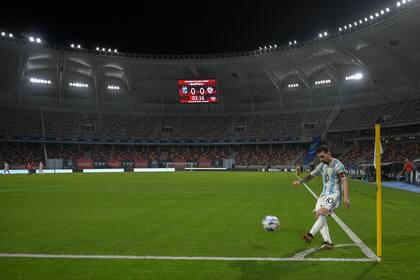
(334, 182)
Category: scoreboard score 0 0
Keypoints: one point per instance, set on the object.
(197, 91)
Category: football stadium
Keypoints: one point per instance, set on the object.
(297, 159)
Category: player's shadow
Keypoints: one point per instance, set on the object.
(365, 272)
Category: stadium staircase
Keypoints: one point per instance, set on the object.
(342, 153)
(311, 153)
(163, 156)
(232, 155)
(379, 115)
(298, 158)
(42, 123)
(329, 121)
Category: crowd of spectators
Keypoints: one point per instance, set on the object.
(356, 154)
(266, 157)
(392, 152)
(19, 154)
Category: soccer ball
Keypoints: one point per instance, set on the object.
(270, 223)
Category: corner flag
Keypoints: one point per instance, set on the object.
(377, 164)
(376, 151)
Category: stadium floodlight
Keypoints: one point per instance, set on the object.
(97, 48)
(371, 17)
(109, 50)
(72, 45)
(323, 82)
(382, 12)
(320, 35)
(260, 48)
(366, 19)
(112, 87)
(345, 27)
(275, 45)
(295, 42)
(360, 21)
(39, 81)
(350, 26)
(404, 1)
(265, 47)
(10, 35)
(293, 85)
(3, 34)
(31, 39)
(115, 50)
(398, 4)
(355, 23)
(355, 77)
(325, 33)
(79, 85)
(387, 10)
(103, 49)
(38, 40)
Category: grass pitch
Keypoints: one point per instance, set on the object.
(193, 214)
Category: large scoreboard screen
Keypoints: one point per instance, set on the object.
(197, 91)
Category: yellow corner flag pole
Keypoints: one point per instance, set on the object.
(378, 190)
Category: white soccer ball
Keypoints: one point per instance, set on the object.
(270, 223)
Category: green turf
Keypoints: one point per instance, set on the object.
(192, 214)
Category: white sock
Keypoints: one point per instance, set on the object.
(325, 232)
(320, 222)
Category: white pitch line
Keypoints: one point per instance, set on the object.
(122, 257)
(27, 189)
(365, 249)
(307, 252)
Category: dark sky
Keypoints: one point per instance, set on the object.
(185, 26)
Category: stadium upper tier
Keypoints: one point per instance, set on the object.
(385, 51)
(285, 127)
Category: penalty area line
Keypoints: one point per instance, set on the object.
(184, 258)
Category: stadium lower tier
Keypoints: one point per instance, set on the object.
(79, 156)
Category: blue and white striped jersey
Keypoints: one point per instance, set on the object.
(330, 176)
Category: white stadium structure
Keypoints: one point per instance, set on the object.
(336, 86)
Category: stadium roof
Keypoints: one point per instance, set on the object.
(183, 27)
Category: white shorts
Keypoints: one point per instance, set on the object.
(329, 201)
